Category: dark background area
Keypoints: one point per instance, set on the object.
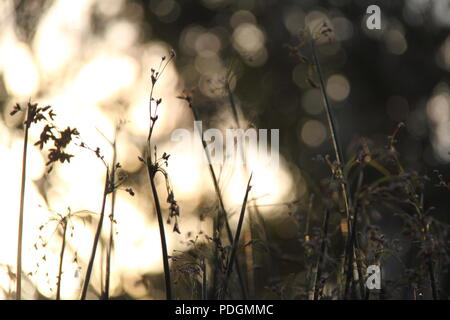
(388, 83)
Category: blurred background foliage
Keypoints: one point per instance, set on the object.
(92, 59)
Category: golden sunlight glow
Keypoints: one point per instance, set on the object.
(20, 73)
(93, 80)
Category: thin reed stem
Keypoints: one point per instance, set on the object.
(111, 228)
(236, 240)
(204, 280)
(349, 247)
(61, 258)
(222, 212)
(151, 173)
(255, 274)
(21, 209)
(96, 238)
(152, 168)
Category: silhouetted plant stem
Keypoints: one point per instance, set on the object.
(96, 238)
(349, 247)
(353, 250)
(236, 240)
(61, 257)
(28, 120)
(151, 173)
(255, 274)
(204, 280)
(111, 229)
(222, 212)
(323, 247)
(333, 132)
(152, 168)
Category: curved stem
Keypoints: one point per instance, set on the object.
(151, 174)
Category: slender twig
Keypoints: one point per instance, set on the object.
(61, 257)
(236, 240)
(96, 238)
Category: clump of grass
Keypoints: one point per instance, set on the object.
(337, 167)
(397, 191)
(235, 243)
(255, 217)
(222, 216)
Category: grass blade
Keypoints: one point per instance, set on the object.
(223, 213)
(236, 240)
(111, 229)
(96, 239)
(151, 174)
(21, 209)
(61, 258)
(350, 248)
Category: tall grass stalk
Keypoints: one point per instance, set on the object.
(151, 173)
(111, 229)
(222, 212)
(61, 257)
(29, 117)
(236, 240)
(96, 238)
(331, 119)
(333, 130)
(255, 277)
(152, 168)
